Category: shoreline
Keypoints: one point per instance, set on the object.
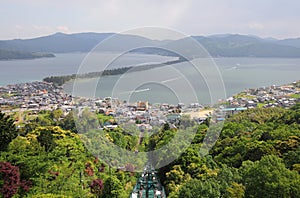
(37, 96)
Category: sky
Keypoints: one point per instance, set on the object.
(264, 18)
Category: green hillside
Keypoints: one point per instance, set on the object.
(256, 155)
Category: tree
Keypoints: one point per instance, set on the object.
(291, 158)
(195, 188)
(27, 155)
(97, 187)
(68, 123)
(46, 140)
(257, 149)
(229, 178)
(236, 190)
(86, 121)
(8, 131)
(112, 188)
(269, 178)
(175, 178)
(10, 180)
(55, 115)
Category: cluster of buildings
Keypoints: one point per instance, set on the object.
(142, 114)
(273, 96)
(34, 96)
(38, 96)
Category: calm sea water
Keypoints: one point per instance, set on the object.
(19, 71)
(183, 83)
(206, 82)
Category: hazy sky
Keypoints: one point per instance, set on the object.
(265, 18)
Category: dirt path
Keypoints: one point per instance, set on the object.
(200, 114)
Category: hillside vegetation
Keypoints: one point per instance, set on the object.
(256, 155)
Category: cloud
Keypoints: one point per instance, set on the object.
(42, 28)
(33, 30)
(195, 17)
(63, 29)
(256, 26)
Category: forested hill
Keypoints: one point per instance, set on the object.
(227, 45)
(249, 46)
(256, 155)
(9, 55)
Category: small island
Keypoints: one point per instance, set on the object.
(12, 55)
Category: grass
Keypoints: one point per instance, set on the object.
(296, 96)
(260, 105)
(244, 95)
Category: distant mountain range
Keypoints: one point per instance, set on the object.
(249, 46)
(226, 45)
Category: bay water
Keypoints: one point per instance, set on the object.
(172, 83)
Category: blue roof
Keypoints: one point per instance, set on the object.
(235, 109)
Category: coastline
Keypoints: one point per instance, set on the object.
(37, 96)
(61, 80)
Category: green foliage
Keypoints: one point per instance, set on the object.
(255, 133)
(296, 96)
(269, 178)
(292, 158)
(48, 195)
(104, 118)
(86, 122)
(260, 116)
(251, 135)
(56, 161)
(112, 188)
(256, 155)
(175, 178)
(195, 188)
(236, 190)
(46, 140)
(68, 122)
(59, 80)
(8, 131)
(55, 115)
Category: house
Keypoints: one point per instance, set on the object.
(144, 127)
(173, 118)
(142, 106)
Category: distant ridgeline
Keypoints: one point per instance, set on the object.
(9, 55)
(60, 80)
(223, 45)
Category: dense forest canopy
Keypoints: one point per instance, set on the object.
(256, 155)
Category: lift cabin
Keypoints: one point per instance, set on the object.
(148, 185)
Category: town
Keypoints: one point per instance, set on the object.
(273, 96)
(37, 96)
(34, 97)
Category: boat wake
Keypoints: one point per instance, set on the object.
(170, 80)
(135, 91)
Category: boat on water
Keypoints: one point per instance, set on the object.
(148, 185)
